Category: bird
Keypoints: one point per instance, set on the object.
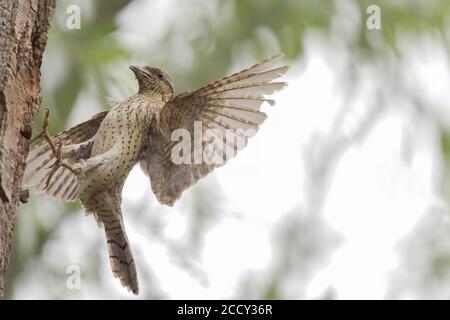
(91, 161)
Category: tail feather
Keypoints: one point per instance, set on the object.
(120, 255)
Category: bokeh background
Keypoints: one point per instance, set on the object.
(342, 194)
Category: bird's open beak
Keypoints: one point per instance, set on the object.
(137, 70)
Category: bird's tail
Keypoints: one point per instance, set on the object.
(120, 255)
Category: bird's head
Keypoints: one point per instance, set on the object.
(151, 80)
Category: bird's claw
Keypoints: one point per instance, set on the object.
(56, 149)
(60, 163)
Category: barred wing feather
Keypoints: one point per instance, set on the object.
(64, 184)
(229, 113)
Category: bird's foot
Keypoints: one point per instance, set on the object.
(56, 149)
(44, 133)
(60, 163)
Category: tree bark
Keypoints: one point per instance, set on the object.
(23, 35)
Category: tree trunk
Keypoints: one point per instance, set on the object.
(23, 35)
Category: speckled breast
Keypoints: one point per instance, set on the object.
(119, 139)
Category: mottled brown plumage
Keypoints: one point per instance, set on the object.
(97, 155)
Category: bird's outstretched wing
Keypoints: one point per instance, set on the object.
(218, 118)
(64, 184)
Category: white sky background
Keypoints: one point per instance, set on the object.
(375, 198)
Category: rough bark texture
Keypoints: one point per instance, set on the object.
(23, 36)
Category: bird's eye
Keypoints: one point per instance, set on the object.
(160, 75)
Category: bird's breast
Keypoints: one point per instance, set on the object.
(124, 132)
(126, 124)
